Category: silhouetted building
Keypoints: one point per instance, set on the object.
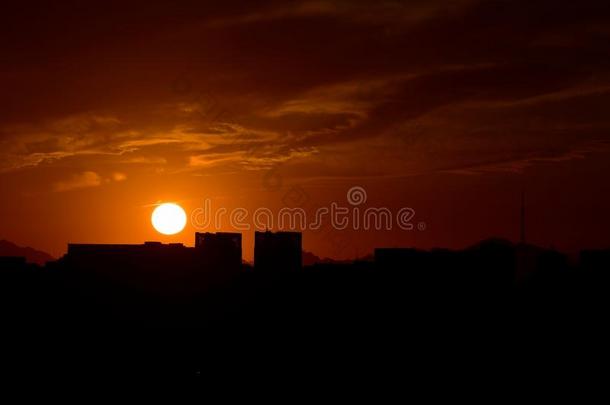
(220, 246)
(278, 251)
(154, 266)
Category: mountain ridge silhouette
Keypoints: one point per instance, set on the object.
(8, 248)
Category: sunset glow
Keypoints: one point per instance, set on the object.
(447, 110)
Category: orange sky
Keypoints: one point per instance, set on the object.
(453, 111)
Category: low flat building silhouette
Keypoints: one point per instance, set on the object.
(81, 250)
(278, 251)
(155, 266)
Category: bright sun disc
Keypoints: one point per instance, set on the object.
(169, 218)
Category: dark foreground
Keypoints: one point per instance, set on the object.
(426, 315)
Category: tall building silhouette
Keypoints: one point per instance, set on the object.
(278, 251)
(220, 246)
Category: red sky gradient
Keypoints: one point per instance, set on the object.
(450, 108)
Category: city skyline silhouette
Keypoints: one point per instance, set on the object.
(189, 295)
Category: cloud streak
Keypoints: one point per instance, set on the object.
(78, 181)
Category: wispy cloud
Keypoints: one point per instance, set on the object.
(87, 179)
(78, 181)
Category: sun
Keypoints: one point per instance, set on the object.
(168, 219)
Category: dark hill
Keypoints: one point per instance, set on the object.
(31, 255)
